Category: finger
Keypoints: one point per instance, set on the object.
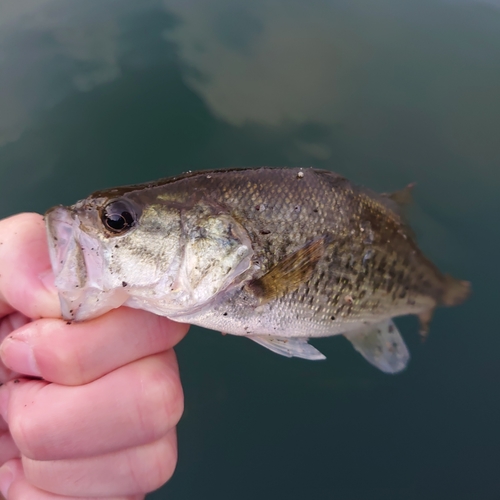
(8, 324)
(131, 406)
(133, 471)
(14, 484)
(8, 449)
(6, 374)
(77, 353)
(25, 271)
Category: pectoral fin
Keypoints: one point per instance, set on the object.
(381, 345)
(289, 347)
(289, 274)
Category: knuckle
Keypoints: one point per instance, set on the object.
(58, 361)
(161, 464)
(161, 403)
(26, 433)
(29, 428)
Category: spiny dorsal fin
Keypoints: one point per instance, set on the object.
(289, 274)
(398, 201)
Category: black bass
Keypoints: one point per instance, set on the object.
(276, 255)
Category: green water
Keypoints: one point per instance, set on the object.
(100, 93)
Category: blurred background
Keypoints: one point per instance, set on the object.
(100, 93)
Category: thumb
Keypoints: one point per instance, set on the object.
(26, 279)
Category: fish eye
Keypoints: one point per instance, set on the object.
(119, 216)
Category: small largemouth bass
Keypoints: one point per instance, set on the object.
(276, 255)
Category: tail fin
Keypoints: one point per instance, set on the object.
(455, 291)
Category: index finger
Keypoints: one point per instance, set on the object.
(26, 280)
(78, 353)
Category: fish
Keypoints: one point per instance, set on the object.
(277, 255)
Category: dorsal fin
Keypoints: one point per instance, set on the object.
(402, 197)
(398, 202)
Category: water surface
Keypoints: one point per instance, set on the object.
(99, 93)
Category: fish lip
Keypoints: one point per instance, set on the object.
(60, 224)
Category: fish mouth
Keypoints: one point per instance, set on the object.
(77, 263)
(66, 257)
(60, 223)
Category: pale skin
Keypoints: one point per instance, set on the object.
(101, 421)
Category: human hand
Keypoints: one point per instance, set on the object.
(102, 421)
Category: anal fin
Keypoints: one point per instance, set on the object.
(289, 347)
(381, 345)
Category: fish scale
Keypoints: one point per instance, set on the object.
(277, 255)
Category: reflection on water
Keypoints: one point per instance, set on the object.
(101, 92)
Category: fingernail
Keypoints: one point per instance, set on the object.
(6, 478)
(18, 355)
